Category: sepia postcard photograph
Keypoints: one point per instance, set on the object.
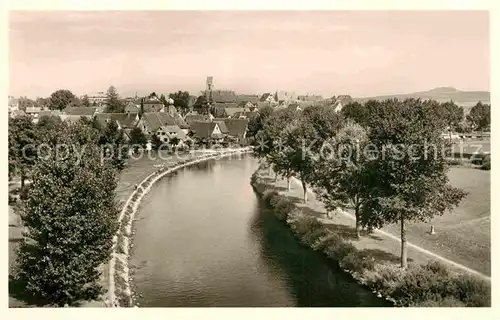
(249, 158)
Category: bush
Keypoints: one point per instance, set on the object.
(268, 195)
(455, 162)
(440, 303)
(437, 268)
(305, 224)
(358, 262)
(314, 236)
(282, 206)
(339, 251)
(472, 291)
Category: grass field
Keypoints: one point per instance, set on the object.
(462, 235)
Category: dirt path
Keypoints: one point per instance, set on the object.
(383, 245)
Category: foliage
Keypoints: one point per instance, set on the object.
(61, 99)
(113, 145)
(23, 142)
(85, 101)
(201, 104)
(339, 178)
(480, 116)
(181, 100)
(407, 178)
(113, 102)
(257, 123)
(70, 216)
(137, 137)
(451, 114)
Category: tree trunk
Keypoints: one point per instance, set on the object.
(404, 248)
(275, 176)
(304, 187)
(269, 170)
(288, 183)
(22, 181)
(356, 214)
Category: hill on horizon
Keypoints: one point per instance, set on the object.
(466, 99)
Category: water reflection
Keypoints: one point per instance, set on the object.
(204, 239)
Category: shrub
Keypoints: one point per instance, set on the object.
(310, 238)
(455, 162)
(472, 291)
(384, 278)
(305, 224)
(282, 206)
(486, 166)
(330, 239)
(268, 195)
(437, 268)
(358, 262)
(341, 250)
(439, 303)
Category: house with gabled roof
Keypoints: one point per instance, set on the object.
(237, 128)
(267, 97)
(152, 121)
(87, 112)
(131, 107)
(206, 130)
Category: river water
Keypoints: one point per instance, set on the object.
(204, 239)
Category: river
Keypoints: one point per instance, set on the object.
(203, 239)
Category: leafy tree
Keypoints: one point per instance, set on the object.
(181, 100)
(42, 102)
(407, 169)
(61, 99)
(113, 102)
(357, 112)
(25, 102)
(174, 141)
(257, 123)
(156, 142)
(114, 145)
(452, 114)
(137, 137)
(85, 101)
(340, 175)
(23, 142)
(270, 142)
(480, 116)
(70, 218)
(201, 104)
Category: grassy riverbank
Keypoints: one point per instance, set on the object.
(373, 260)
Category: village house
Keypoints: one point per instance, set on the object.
(267, 97)
(167, 133)
(283, 97)
(203, 131)
(222, 125)
(195, 117)
(231, 112)
(87, 112)
(49, 113)
(131, 107)
(125, 121)
(96, 97)
(237, 128)
(33, 112)
(312, 97)
(341, 101)
(249, 99)
(150, 122)
(17, 113)
(295, 107)
(153, 104)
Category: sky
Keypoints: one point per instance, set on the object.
(361, 53)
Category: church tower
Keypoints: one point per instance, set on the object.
(208, 91)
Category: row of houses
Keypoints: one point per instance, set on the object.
(162, 122)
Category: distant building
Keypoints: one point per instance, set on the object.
(153, 104)
(96, 97)
(267, 97)
(34, 112)
(87, 112)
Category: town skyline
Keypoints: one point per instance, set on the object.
(357, 53)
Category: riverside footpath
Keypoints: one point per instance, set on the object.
(383, 245)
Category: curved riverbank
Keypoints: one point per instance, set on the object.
(119, 292)
(430, 284)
